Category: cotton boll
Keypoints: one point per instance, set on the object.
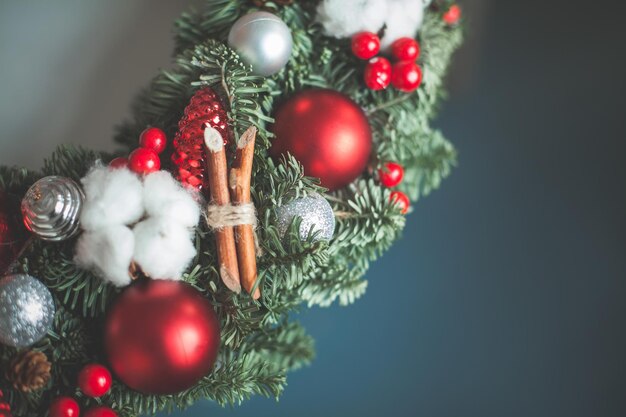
(404, 18)
(344, 18)
(162, 249)
(112, 197)
(109, 251)
(163, 196)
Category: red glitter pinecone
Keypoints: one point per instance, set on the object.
(205, 108)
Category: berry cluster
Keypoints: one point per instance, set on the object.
(405, 75)
(94, 381)
(390, 175)
(144, 159)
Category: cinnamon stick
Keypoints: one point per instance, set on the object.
(218, 183)
(240, 177)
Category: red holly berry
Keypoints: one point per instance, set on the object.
(100, 412)
(377, 73)
(406, 76)
(405, 49)
(64, 407)
(5, 408)
(153, 138)
(453, 15)
(144, 161)
(391, 174)
(401, 200)
(120, 162)
(94, 380)
(365, 45)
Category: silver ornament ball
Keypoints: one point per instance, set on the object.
(26, 310)
(316, 214)
(263, 40)
(51, 208)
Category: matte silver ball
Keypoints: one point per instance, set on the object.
(316, 213)
(26, 310)
(263, 40)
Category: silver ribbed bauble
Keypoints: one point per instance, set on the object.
(316, 213)
(26, 310)
(51, 208)
(263, 40)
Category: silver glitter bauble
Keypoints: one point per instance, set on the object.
(263, 40)
(26, 310)
(316, 213)
(51, 207)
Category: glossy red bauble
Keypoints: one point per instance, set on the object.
(64, 407)
(391, 174)
(405, 49)
(377, 75)
(100, 412)
(161, 337)
(94, 380)
(120, 162)
(144, 161)
(453, 15)
(327, 132)
(406, 76)
(401, 200)
(153, 138)
(365, 45)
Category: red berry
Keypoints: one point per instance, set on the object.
(94, 380)
(144, 161)
(453, 15)
(64, 407)
(377, 73)
(120, 162)
(401, 200)
(391, 174)
(365, 45)
(405, 49)
(100, 412)
(406, 76)
(153, 138)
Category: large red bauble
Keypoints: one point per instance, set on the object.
(94, 380)
(161, 337)
(64, 407)
(327, 132)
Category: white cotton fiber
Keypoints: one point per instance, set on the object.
(163, 196)
(112, 197)
(344, 18)
(109, 251)
(163, 249)
(404, 18)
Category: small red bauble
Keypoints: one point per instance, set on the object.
(5, 408)
(401, 200)
(94, 380)
(406, 76)
(144, 161)
(64, 407)
(161, 337)
(120, 162)
(100, 412)
(453, 15)
(327, 132)
(391, 174)
(153, 138)
(365, 45)
(377, 73)
(405, 49)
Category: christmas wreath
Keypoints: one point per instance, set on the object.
(265, 170)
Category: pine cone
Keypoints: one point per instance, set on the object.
(29, 371)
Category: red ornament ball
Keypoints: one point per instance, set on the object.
(144, 161)
(401, 200)
(406, 76)
(120, 162)
(365, 45)
(153, 138)
(161, 337)
(453, 15)
(377, 73)
(100, 412)
(94, 380)
(391, 174)
(327, 132)
(64, 407)
(405, 49)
